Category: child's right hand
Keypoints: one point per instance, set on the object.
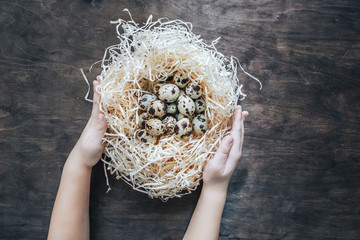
(218, 171)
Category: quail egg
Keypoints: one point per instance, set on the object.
(143, 117)
(200, 124)
(154, 127)
(183, 128)
(157, 87)
(200, 105)
(186, 105)
(169, 122)
(144, 137)
(146, 100)
(193, 90)
(180, 80)
(157, 109)
(169, 93)
(171, 108)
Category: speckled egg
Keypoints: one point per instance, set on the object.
(180, 80)
(157, 87)
(169, 122)
(186, 105)
(200, 124)
(193, 90)
(157, 109)
(200, 105)
(171, 108)
(143, 117)
(154, 127)
(144, 137)
(183, 128)
(169, 93)
(146, 100)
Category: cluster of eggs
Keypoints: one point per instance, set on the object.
(174, 107)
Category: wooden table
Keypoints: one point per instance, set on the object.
(299, 177)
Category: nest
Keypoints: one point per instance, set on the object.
(171, 167)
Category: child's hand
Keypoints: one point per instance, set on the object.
(218, 171)
(70, 216)
(90, 143)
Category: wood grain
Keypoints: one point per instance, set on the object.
(300, 174)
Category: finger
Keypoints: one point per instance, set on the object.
(101, 124)
(237, 133)
(236, 127)
(223, 151)
(95, 110)
(243, 118)
(245, 114)
(235, 154)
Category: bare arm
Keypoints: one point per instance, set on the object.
(70, 216)
(206, 219)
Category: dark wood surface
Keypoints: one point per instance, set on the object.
(300, 175)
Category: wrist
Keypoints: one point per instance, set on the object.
(90, 153)
(78, 159)
(215, 189)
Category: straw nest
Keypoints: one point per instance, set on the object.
(145, 56)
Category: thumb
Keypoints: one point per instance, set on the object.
(101, 124)
(222, 153)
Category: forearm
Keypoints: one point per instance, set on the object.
(70, 217)
(206, 219)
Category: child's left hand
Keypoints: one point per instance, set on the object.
(70, 216)
(90, 142)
